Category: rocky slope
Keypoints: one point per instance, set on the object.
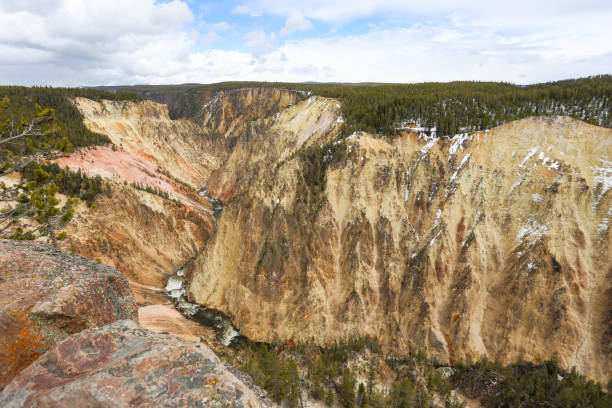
(491, 244)
(495, 243)
(134, 228)
(145, 235)
(47, 295)
(123, 365)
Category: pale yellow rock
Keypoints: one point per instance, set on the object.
(451, 253)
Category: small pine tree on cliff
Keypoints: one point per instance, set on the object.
(29, 210)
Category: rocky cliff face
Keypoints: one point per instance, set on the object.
(69, 337)
(143, 235)
(123, 365)
(47, 295)
(495, 243)
(133, 228)
(147, 236)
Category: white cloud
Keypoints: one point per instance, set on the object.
(211, 32)
(77, 42)
(296, 22)
(419, 54)
(256, 38)
(509, 11)
(243, 9)
(260, 43)
(222, 26)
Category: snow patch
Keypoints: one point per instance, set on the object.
(554, 165)
(458, 141)
(428, 146)
(433, 240)
(461, 166)
(515, 185)
(604, 225)
(548, 162)
(603, 176)
(530, 154)
(531, 232)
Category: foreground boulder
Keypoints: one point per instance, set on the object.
(123, 365)
(47, 295)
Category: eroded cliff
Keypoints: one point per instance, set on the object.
(495, 243)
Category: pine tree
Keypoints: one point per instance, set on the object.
(22, 143)
(361, 395)
(329, 399)
(371, 378)
(347, 389)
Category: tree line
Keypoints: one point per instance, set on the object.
(289, 371)
(449, 108)
(23, 101)
(70, 183)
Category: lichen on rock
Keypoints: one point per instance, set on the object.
(47, 295)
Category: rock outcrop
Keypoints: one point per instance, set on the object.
(123, 365)
(47, 295)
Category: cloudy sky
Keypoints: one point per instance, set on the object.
(109, 42)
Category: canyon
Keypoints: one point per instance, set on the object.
(493, 243)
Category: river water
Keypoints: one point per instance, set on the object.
(175, 289)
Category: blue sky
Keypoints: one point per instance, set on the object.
(101, 42)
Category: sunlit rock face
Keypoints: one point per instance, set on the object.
(494, 243)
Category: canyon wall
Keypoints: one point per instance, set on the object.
(148, 236)
(495, 243)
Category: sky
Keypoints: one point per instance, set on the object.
(124, 42)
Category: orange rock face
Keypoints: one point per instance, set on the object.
(46, 295)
